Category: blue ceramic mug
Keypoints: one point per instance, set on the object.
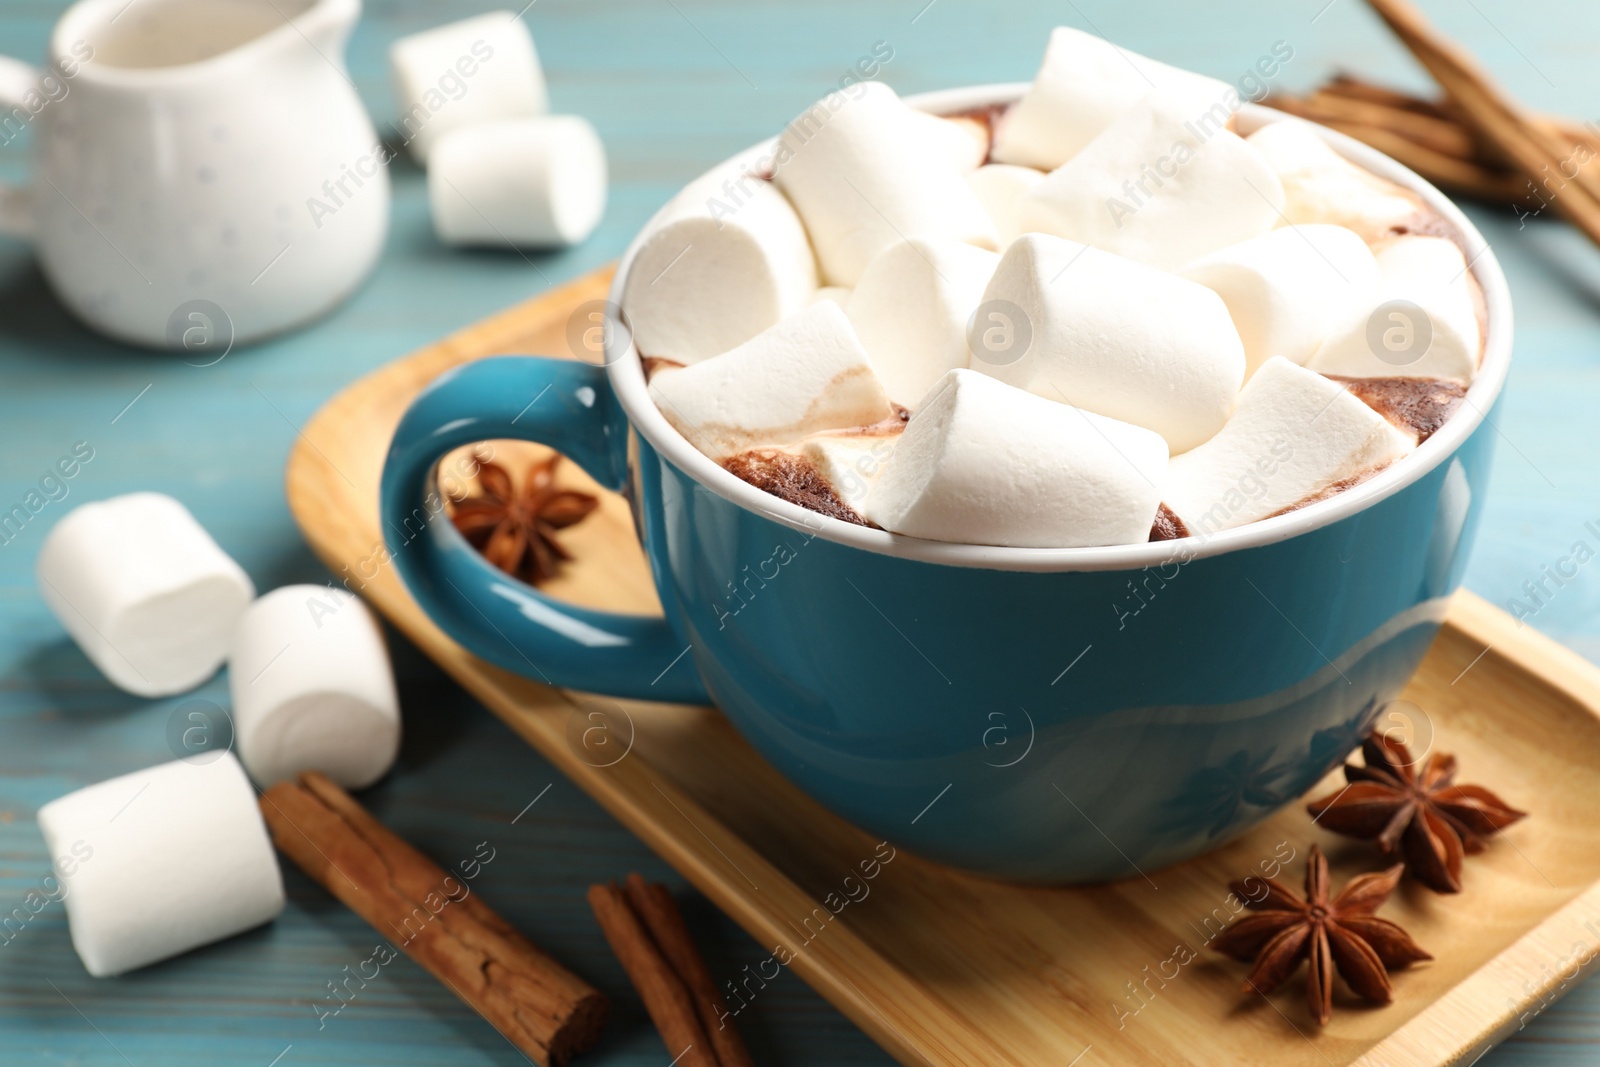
(1057, 715)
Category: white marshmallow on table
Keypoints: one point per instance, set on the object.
(806, 374)
(1115, 337)
(167, 859)
(1000, 188)
(1293, 435)
(1084, 84)
(983, 463)
(1156, 187)
(965, 141)
(837, 294)
(1422, 322)
(1289, 288)
(467, 73)
(143, 590)
(726, 260)
(312, 688)
(532, 183)
(1320, 185)
(850, 462)
(868, 175)
(911, 310)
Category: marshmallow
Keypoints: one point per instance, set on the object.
(983, 463)
(725, 261)
(868, 175)
(1000, 188)
(850, 463)
(1320, 185)
(312, 688)
(161, 861)
(1422, 322)
(476, 71)
(1158, 186)
(1084, 85)
(1293, 436)
(911, 310)
(1111, 336)
(837, 294)
(963, 140)
(533, 183)
(806, 374)
(1289, 288)
(144, 591)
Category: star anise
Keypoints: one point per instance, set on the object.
(1414, 806)
(516, 531)
(1340, 933)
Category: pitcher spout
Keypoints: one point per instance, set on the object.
(327, 24)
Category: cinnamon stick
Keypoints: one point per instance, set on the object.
(1455, 163)
(1440, 135)
(653, 903)
(1435, 138)
(435, 918)
(663, 992)
(1350, 86)
(1454, 175)
(1547, 158)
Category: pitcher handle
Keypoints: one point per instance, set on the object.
(17, 80)
(570, 407)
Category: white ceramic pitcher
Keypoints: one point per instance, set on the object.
(204, 171)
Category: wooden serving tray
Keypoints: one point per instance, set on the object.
(943, 968)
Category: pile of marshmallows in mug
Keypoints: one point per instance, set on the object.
(1115, 310)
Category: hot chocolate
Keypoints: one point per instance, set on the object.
(1108, 316)
(793, 478)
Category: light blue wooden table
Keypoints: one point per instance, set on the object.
(672, 85)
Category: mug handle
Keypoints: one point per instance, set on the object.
(570, 407)
(17, 80)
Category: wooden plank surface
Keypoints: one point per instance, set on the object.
(672, 87)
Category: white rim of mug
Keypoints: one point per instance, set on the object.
(79, 22)
(626, 373)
